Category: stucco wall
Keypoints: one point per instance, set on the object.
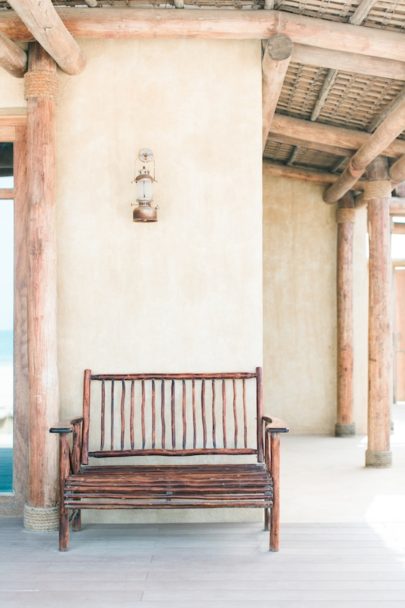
(11, 91)
(300, 307)
(184, 294)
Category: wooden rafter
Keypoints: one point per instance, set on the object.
(277, 55)
(42, 20)
(361, 12)
(293, 156)
(323, 94)
(397, 101)
(309, 175)
(12, 57)
(290, 140)
(356, 19)
(218, 24)
(389, 129)
(327, 137)
(397, 171)
(349, 62)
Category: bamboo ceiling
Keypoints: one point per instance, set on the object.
(353, 101)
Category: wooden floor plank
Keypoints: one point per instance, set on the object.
(204, 566)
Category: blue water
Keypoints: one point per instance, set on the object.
(6, 470)
(6, 346)
(6, 454)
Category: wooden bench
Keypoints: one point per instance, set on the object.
(206, 415)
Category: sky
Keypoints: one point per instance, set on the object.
(6, 264)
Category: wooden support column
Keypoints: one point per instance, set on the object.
(377, 193)
(40, 90)
(345, 216)
(277, 55)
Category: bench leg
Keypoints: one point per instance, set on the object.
(64, 530)
(275, 528)
(77, 521)
(275, 509)
(266, 518)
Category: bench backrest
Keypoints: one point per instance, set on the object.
(172, 414)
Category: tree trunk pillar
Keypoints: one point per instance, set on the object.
(40, 89)
(345, 218)
(377, 193)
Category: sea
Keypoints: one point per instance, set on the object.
(6, 346)
(6, 411)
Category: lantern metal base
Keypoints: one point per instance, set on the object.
(144, 213)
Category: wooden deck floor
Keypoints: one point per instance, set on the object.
(203, 566)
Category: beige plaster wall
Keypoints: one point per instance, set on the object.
(300, 307)
(11, 91)
(184, 294)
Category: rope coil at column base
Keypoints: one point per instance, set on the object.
(345, 430)
(378, 458)
(41, 519)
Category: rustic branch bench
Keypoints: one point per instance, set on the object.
(137, 415)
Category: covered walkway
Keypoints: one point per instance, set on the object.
(343, 538)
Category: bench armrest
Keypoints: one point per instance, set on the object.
(66, 427)
(274, 425)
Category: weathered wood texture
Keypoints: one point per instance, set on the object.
(48, 29)
(21, 379)
(328, 138)
(348, 62)
(17, 134)
(323, 94)
(276, 58)
(186, 402)
(389, 129)
(397, 170)
(309, 175)
(12, 57)
(345, 217)
(216, 24)
(380, 318)
(42, 334)
(361, 11)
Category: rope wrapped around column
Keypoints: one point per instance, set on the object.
(41, 519)
(345, 215)
(40, 83)
(379, 188)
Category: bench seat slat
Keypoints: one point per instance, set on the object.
(170, 486)
(174, 452)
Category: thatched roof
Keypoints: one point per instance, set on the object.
(312, 93)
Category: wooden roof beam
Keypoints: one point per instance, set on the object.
(132, 23)
(276, 58)
(327, 138)
(387, 110)
(12, 57)
(349, 62)
(397, 170)
(309, 175)
(42, 20)
(389, 129)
